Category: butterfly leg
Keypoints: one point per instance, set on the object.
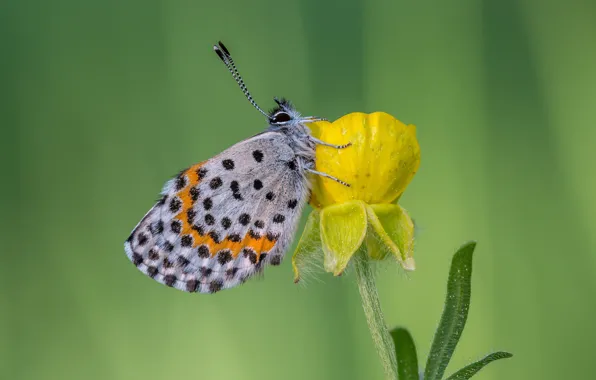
(328, 176)
(319, 142)
(311, 119)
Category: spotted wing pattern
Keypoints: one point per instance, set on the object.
(221, 221)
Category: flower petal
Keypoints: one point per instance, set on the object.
(343, 228)
(398, 226)
(311, 237)
(380, 163)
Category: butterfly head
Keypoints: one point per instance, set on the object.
(286, 115)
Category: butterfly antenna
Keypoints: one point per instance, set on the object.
(225, 56)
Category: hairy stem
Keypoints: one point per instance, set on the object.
(374, 314)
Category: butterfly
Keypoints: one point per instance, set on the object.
(221, 221)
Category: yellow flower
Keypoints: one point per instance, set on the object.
(380, 163)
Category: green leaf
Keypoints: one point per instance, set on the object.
(343, 228)
(470, 370)
(455, 313)
(311, 237)
(405, 350)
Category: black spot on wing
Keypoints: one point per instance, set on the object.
(153, 254)
(190, 215)
(235, 238)
(167, 263)
(250, 254)
(235, 187)
(167, 246)
(224, 256)
(176, 226)
(253, 234)
(215, 286)
(228, 164)
(202, 173)
(199, 228)
(137, 259)
(180, 182)
(186, 241)
(194, 193)
(215, 237)
(169, 280)
(257, 155)
(272, 237)
(142, 239)
(182, 261)
(175, 205)
(244, 219)
(226, 222)
(152, 271)
(215, 183)
(157, 228)
(192, 285)
(231, 273)
(203, 252)
(205, 271)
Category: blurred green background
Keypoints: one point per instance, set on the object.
(103, 101)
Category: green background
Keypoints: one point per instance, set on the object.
(102, 101)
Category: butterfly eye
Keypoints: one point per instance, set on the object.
(281, 117)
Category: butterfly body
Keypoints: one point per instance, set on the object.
(221, 221)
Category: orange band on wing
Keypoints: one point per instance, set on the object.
(260, 244)
(192, 179)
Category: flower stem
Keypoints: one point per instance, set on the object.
(374, 314)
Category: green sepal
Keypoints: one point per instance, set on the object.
(376, 249)
(379, 244)
(311, 237)
(343, 228)
(395, 229)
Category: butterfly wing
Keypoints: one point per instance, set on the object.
(220, 221)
